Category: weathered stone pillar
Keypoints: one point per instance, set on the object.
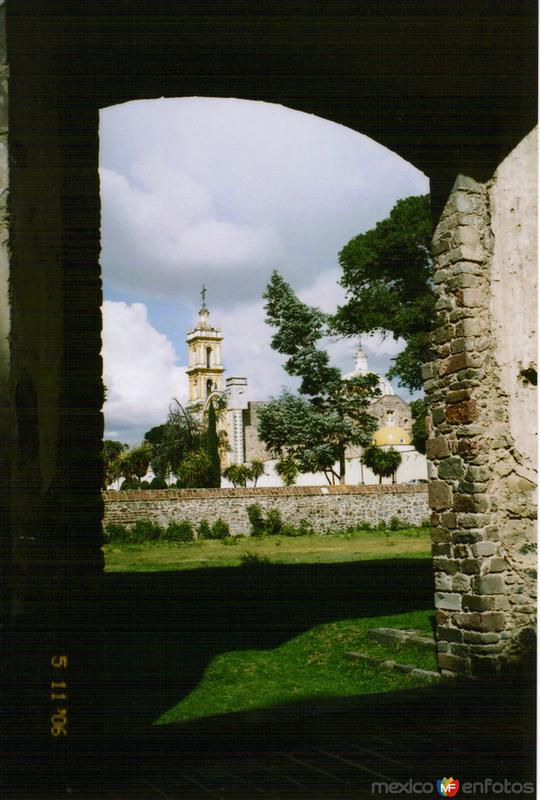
(55, 369)
(481, 390)
(6, 413)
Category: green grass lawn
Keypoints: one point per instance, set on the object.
(231, 552)
(312, 665)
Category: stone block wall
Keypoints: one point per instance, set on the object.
(482, 494)
(326, 508)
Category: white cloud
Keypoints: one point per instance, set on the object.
(221, 191)
(326, 292)
(140, 372)
(160, 230)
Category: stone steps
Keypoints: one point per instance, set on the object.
(396, 636)
(411, 669)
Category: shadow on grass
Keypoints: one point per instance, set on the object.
(161, 630)
(144, 642)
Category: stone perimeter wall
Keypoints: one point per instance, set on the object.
(483, 498)
(326, 508)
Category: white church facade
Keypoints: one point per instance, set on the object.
(206, 378)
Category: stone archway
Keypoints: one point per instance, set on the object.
(410, 79)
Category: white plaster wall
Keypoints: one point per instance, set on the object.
(413, 467)
(513, 202)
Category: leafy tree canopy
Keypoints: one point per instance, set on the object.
(171, 442)
(316, 428)
(299, 328)
(194, 469)
(287, 469)
(240, 474)
(156, 435)
(387, 272)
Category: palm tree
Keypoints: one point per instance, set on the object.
(112, 459)
(237, 474)
(287, 469)
(138, 460)
(383, 463)
(256, 469)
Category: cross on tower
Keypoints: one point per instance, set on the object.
(203, 295)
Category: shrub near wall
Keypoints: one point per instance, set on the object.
(327, 508)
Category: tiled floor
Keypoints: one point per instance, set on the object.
(331, 750)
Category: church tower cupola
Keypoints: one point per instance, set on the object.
(205, 369)
(360, 362)
(361, 369)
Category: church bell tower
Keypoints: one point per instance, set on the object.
(205, 370)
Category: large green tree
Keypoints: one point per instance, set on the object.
(171, 442)
(387, 273)
(194, 470)
(315, 428)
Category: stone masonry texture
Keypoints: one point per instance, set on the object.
(482, 492)
(327, 508)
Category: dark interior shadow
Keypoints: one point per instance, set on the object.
(145, 642)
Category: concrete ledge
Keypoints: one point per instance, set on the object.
(150, 495)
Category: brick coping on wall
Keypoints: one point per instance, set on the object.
(262, 491)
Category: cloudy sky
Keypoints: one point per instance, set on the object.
(222, 192)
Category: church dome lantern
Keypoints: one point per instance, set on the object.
(361, 369)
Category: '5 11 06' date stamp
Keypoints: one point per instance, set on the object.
(59, 692)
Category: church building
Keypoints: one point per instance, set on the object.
(206, 377)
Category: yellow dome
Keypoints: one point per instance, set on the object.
(390, 435)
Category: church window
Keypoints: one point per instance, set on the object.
(209, 387)
(208, 356)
